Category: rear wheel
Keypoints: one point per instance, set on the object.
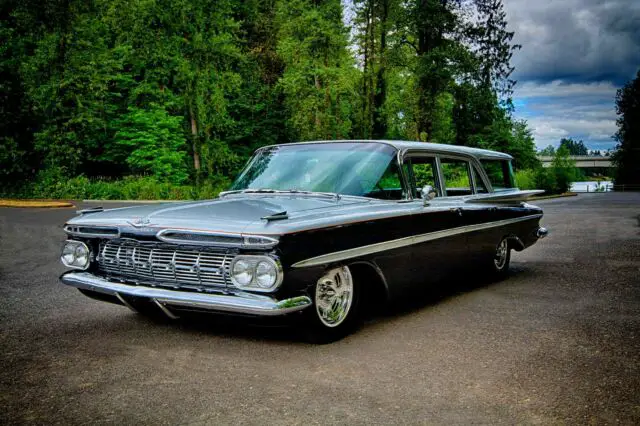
(336, 306)
(499, 266)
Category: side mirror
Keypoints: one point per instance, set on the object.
(428, 194)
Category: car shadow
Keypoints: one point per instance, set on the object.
(289, 329)
(434, 293)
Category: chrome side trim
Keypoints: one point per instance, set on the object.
(235, 302)
(403, 242)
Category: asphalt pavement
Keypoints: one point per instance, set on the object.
(558, 342)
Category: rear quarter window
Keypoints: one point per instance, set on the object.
(500, 174)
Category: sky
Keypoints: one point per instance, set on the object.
(575, 54)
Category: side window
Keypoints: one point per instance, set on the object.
(500, 174)
(456, 176)
(422, 171)
(480, 186)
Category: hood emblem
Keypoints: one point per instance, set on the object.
(139, 222)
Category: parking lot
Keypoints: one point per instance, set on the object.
(557, 342)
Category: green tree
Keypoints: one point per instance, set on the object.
(155, 143)
(549, 151)
(574, 147)
(432, 25)
(564, 169)
(627, 154)
(185, 90)
(523, 146)
(381, 52)
(494, 48)
(319, 77)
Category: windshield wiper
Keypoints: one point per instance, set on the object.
(250, 191)
(278, 191)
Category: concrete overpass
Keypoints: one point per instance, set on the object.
(582, 161)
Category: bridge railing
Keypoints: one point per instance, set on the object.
(626, 187)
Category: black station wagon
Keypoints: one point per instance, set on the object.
(310, 231)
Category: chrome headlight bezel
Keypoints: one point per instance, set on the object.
(254, 261)
(71, 247)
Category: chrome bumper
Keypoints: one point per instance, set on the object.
(236, 302)
(542, 232)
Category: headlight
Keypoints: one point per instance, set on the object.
(242, 272)
(75, 254)
(257, 273)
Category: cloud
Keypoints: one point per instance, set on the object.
(575, 55)
(558, 88)
(558, 110)
(575, 40)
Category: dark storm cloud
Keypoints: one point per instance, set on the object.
(575, 54)
(575, 40)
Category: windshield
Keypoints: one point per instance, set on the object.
(363, 169)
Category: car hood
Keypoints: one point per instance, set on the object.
(232, 213)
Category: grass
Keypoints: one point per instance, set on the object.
(129, 188)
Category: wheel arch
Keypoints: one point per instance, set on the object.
(374, 287)
(514, 242)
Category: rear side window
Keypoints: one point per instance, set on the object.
(457, 179)
(500, 174)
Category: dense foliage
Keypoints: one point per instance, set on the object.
(627, 155)
(574, 147)
(180, 92)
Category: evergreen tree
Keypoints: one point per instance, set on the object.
(548, 151)
(627, 154)
(574, 147)
(494, 49)
(319, 77)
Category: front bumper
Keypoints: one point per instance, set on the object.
(238, 302)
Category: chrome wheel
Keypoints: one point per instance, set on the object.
(502, 255)
(334, 295)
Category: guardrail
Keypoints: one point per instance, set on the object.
(627, 187)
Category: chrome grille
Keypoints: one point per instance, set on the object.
(162, 265)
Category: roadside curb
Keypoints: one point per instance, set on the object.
(549, 197)
(35, 204)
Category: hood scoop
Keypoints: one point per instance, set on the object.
(90, 210)
(276, 216)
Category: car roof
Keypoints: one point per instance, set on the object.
(419, 146)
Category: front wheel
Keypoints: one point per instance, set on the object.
(336, 306)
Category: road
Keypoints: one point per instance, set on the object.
(557, 342)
